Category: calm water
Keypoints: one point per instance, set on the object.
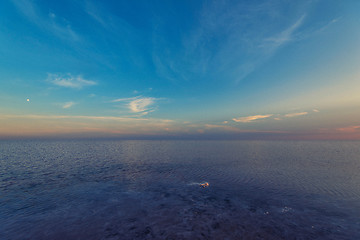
(149, 190)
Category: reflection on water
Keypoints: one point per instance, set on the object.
(151, 190)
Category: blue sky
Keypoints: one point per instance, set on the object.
(207, 69)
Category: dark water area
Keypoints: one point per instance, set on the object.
(150, 189)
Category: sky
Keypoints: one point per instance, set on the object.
(259, 69)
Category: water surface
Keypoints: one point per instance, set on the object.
(149, 189)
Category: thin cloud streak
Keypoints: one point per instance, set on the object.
(70, 81)
(289, 115)
(124, 99)
(68, 105)
(49, 23)
(251, 118)
(269, 48)
(227, 41)
(349, 129)
(65, 125)
(105, 118)
(286, 35)
(277, 117)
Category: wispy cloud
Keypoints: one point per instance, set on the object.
(68, 105)
(141, 105)
(93, 11)
(349, 129)
(230, 41)
(56, 125)
(251, 118)
(277, 117)
(268, 47)
(286, 35)
(49, 22)
(27, 8)
(70, 81)
(239, 38)
(104, 118)
(329, 24)
(289, 115)
(124, 99)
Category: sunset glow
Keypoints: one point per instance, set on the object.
(172, 69)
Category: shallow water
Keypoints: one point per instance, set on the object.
(149, 190)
